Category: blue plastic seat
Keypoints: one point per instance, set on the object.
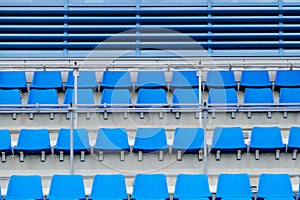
(184, 79)
(289, 95)
(112, 140)
(294, 139)
(46, 96)
(86, 79)
(116, 96)
(185, 96)
(275, 186)
(259, 96)
(228, 139)
(220, 79)
(47, 80)
(10, 97)
(13, 80)
(116, 80)
(153, 97)
(287, 79)
(81, 141)
(24, 187)
(222, 96)
(266, 139)
(151, 80)
(192, 186)
(84, 96)
(67, 187)
(255, 79)
(108, 187)
(150, 139)
(5, 141)
(150, 186)
(188, 140)
(234, 186)
(33, 141)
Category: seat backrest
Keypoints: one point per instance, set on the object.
(228, 138)
(184, 79)
(33, 139)
(109, 186)
(42, 96)
(188, 139)
(150, 139)
(154, 79)
(84, 96)
(220, 79)
(5, 141)
(289, 95)
(294, 137)
(10, 97)
(275, 185)
(185, 96)
(151, 96)
(255, 79)
(258, 95)
(234, 186)
(115, 96)
(116, 80)
(81, 139)
(66, 187)
(266, 137)
(24, 187)
(86, 79)
(287, 79)
(112, 139)
(192, 186)
(150, 186)
(46, 80)
(13, 80)
(222, 96)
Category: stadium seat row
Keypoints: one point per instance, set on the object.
(150, 79)
(156, 97)
(152, 187)
(185, 140)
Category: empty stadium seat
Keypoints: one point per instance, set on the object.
(10, 97)
(66, 187)
(228, 140)
(222, 96)
(116, 96)
(116, 80)
(289, 96)
(150, 186)
(234, 186)
(84, 96)
(255, 79)
(45, 96)
(188, 140)
(13, 80)
(287, 79)
(266, 139)
(258, 98)
(192, 186)
(182, 97)
(24, 187)
(150, 140)
(86, 79)
(111, 140)
(5, 144)
(184, 79)
(33, 141)
(275, 186)
(47, 80)
(294, 141)
(220, 79)
(153, 80)
(81, 142)
(108, 186)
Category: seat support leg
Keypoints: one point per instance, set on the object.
(43, 156)
(21, 156)
(294, 156)
(200, 155)
(179, 155)
(3, 157)
(61, 156)
(100, 155)
(239, 154)
(277, 154)
(218, 155)
(82, 156)
(256, 154)
(161, 156)
(122, 155)
(140, 156)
